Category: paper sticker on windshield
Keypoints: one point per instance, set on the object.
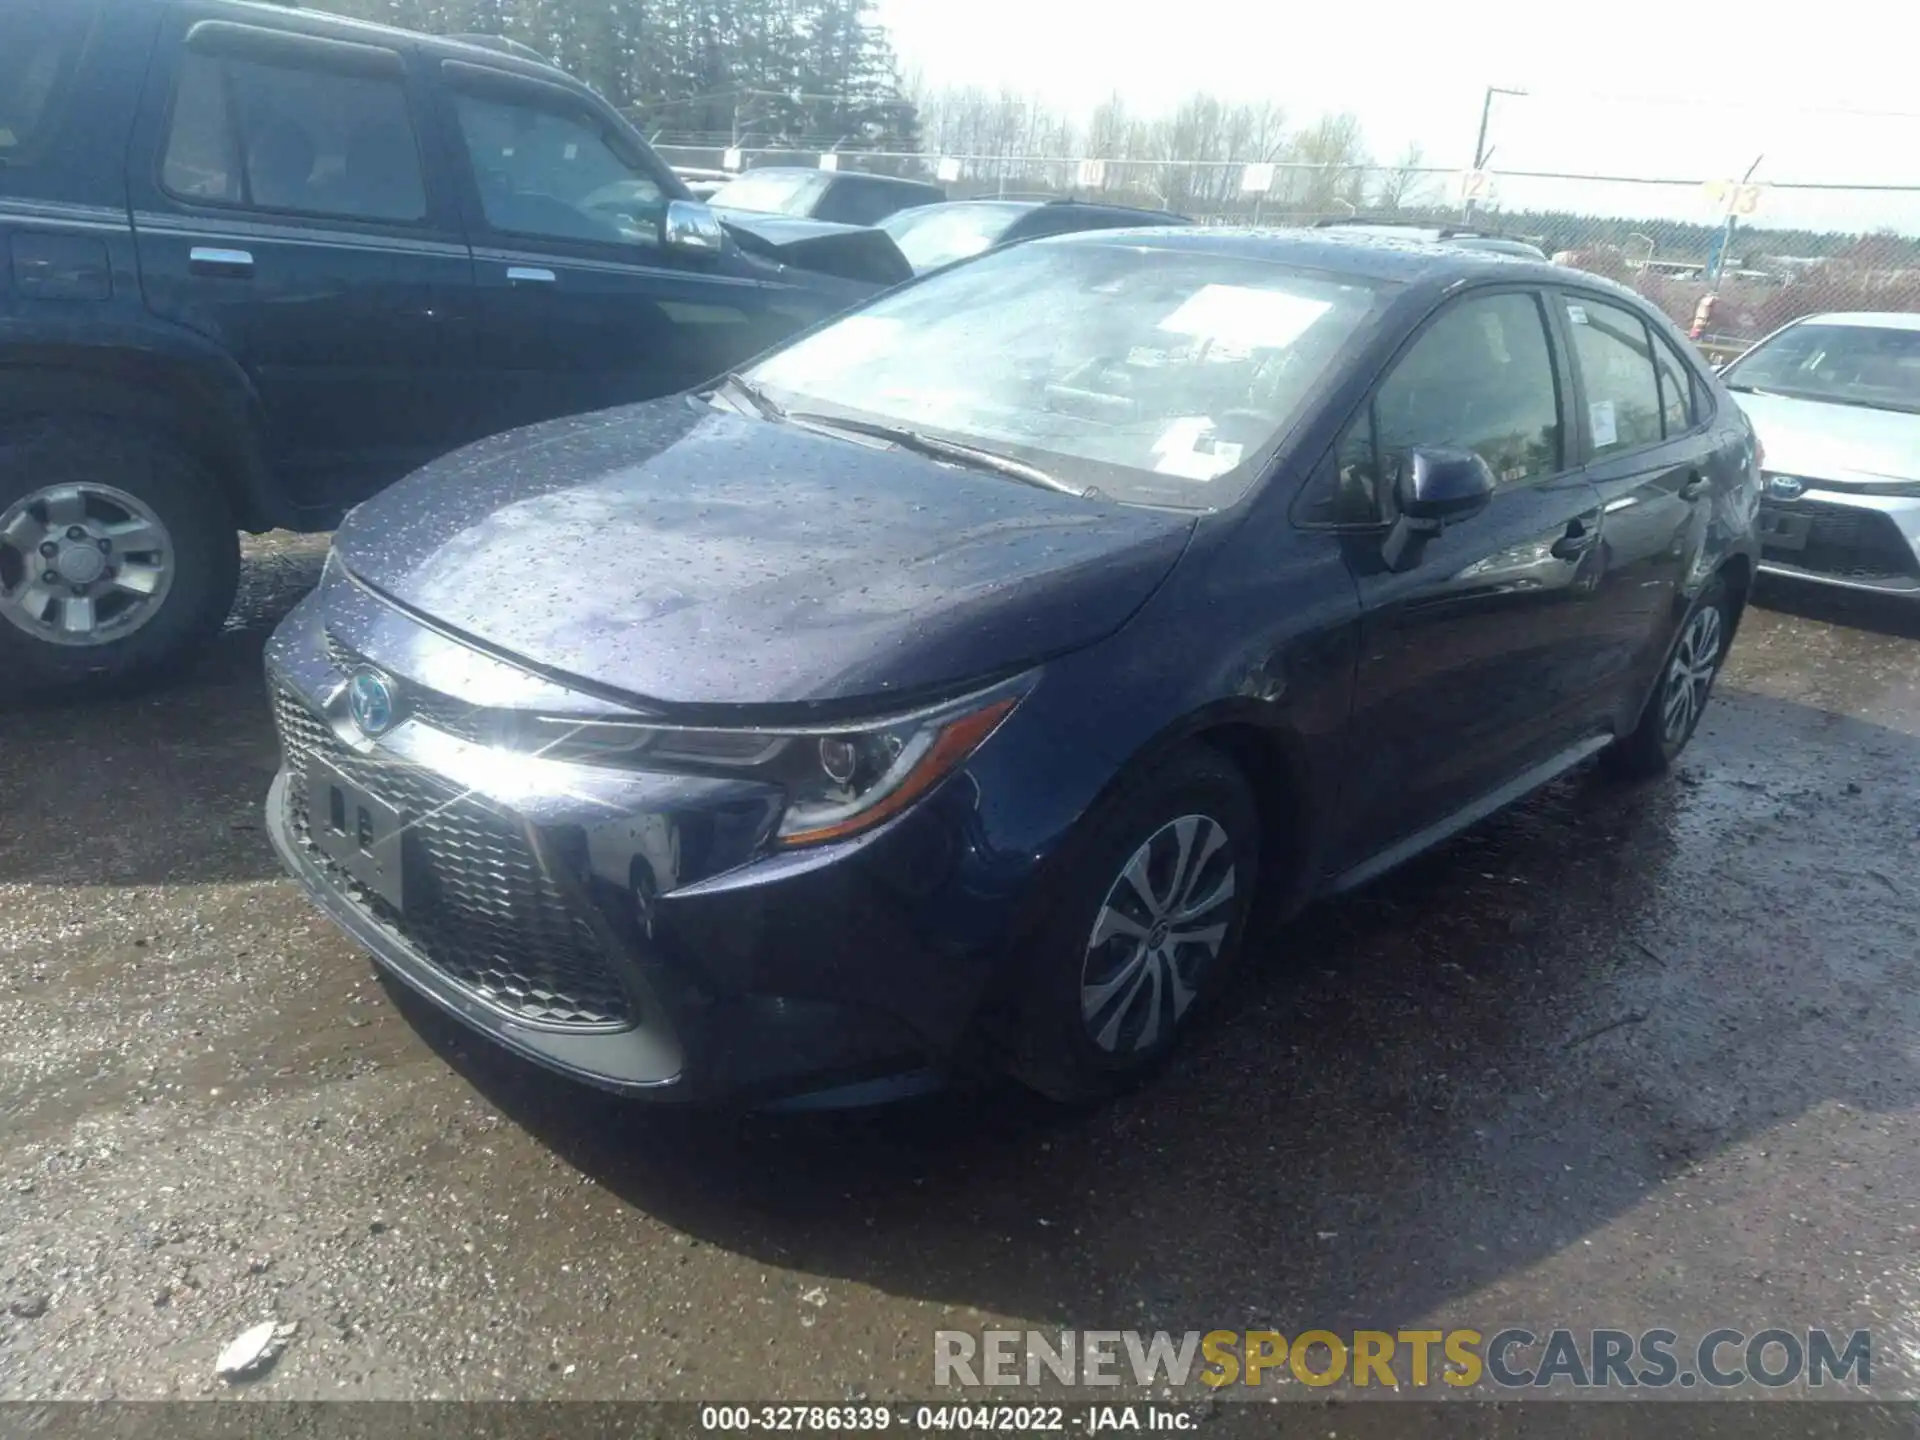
(1245, 317)
(1600, 417)
(1186, 448)
(1577, 314)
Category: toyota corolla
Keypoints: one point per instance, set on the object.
(938, 694)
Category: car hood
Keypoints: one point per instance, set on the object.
(682, 555)
(859, 253)
(1835, 442)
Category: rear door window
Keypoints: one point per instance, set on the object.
(40, 46)
(306, 139)
(1679, 401)
(1615, 356)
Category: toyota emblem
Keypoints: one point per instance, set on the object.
(1785, 487)
(370, 702)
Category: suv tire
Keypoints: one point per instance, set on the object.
(87, 504)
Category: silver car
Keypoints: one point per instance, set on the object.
(1836, 400)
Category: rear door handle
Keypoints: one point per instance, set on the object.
(212, 260)
(1580, 538)
(1695, 487)
(530, 275)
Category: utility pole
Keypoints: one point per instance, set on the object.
(1480, 143)
(1721, 253)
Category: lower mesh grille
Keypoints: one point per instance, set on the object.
(1847, 543)
(483, 910)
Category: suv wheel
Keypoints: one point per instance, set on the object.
(1152, 902)
(1673, 711)
(117, 554)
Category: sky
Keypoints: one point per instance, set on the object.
(1657, 88)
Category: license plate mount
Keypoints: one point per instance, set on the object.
(1783, 530)
(358, 831)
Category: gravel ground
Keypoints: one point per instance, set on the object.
(1626, 1057)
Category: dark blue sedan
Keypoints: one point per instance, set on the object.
(939, 693)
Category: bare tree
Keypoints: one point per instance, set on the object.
(1406, 185)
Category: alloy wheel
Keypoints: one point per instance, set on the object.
(1696, 660)
(82, 564)
(1163, 923)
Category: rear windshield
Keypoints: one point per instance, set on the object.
(932, 236)
(40, 44)
(774, 192)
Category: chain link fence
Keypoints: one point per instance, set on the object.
(1758, 256)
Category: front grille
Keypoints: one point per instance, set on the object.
(480, 905)
(443, 712)
(1846, 543)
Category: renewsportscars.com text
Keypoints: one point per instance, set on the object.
(1509, 1359)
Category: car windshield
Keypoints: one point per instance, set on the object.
(939, 235)
(773, 192)
(1868, 365)
(1156, 376)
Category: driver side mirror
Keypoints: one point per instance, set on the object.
(692, 229)
(1434, 489)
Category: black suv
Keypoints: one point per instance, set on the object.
(256, 263)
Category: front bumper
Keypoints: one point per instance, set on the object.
(1846, 538)
(591, 921)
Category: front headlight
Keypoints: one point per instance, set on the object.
(838, 781)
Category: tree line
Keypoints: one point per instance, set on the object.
(813, 73)
(1190, 158)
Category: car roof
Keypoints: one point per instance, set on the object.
(497, 51)
(1028, 206)
(831, 175)
(1865, 319)
(1365, 256)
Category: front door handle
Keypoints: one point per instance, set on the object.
(212, 260)
(1580, 538)
(530, 275)
(1695, 487)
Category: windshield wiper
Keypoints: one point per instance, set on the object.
(769, 408)
(938, 449)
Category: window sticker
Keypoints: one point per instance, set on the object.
(1577, 314)
(1600, 417)
(1186, 448)
(1245, 316)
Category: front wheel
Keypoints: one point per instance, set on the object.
(1152, 900)
(1673, 711)
(118, 555)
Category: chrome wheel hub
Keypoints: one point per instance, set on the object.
(1696, 660)
(82, 564)
(1162, 924)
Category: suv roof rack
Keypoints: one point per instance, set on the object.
(1445, 232)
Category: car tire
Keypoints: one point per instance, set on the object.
(1672, 712)
(1098, 1012)
(121, 518)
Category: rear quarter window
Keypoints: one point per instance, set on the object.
(41, 42)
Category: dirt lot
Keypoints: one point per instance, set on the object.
(1623, 1057)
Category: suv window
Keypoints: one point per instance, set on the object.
(557, 174)
(1615, 356)
(1677, 400)
(40, 43)
(291, 137)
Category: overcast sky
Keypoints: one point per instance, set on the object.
(1622, 87)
